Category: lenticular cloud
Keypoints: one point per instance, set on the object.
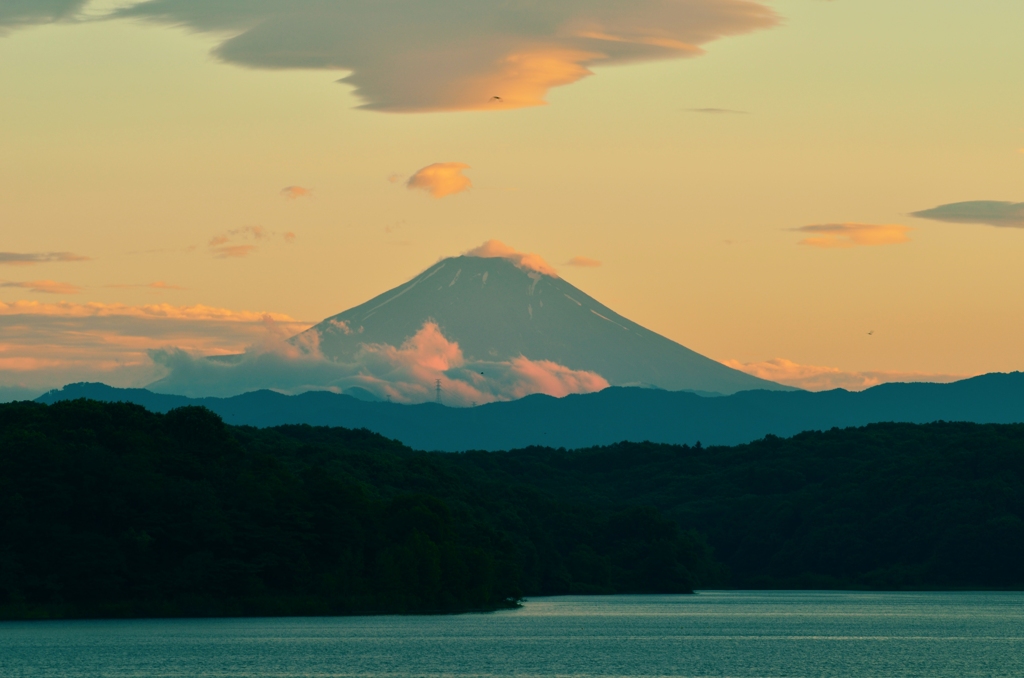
(407, 373)
(442, 55)
(19, 13)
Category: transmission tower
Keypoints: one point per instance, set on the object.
(437, 385)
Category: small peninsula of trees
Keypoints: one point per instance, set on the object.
(111, 510)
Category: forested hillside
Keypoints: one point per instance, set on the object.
(885, 506)
(110, 510)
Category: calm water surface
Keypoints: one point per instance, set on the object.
(711, 634)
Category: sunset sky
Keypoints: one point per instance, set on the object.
(821, 192)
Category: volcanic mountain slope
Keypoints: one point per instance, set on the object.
(497, 310)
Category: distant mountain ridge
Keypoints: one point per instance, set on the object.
(607, 417)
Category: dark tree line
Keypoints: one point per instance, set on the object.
(110, 510)
(886, 506)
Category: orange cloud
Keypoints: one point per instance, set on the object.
(31, 258)
(818, 378)
(45, 286)
(410, 56)
(528, 261)
(441, 179)
(296, 192)
(854, 235)
(67, 309)
(45, 345)
(233, 251)
(583, 262)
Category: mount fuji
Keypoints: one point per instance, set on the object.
(499, 305)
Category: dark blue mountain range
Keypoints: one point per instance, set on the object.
(610, 416)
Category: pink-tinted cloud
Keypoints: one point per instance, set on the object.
(32, 258)
(818, 378)
(296, 192)
(545, 376)
(583, 262)
(45, 286)
(441, 179)
(854, 235)
(412, 56)
(407, 373)
(528, 261)
(46, 345)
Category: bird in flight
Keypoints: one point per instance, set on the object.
(497, 98)
(871, 332)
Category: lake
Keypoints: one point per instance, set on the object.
(711, 634)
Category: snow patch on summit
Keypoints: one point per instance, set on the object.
(527, 261)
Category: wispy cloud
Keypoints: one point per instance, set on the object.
(818, 378)
(233, 251)
(406, 373)
(238, 243)
(441, 179)
(296, 192)
(65, 309)
(583, 262)
(528, 261)
(854, 235)
(990, 212)
(32, 258)
(161, 285)
(44, 286)
(45, 345)
(409, 55)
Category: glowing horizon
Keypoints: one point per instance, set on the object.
(823, 194)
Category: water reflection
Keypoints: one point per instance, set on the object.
(711, 634)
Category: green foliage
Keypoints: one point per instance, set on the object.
(110, 510)
(887, 506)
